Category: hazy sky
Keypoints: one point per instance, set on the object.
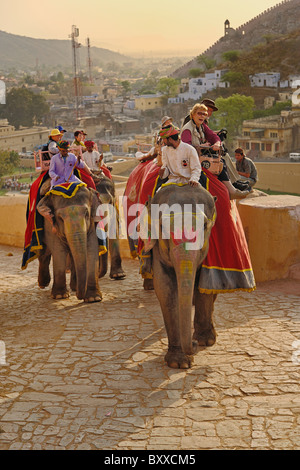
(133, 27)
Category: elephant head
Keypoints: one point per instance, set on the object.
(73, 232)
(106, 189)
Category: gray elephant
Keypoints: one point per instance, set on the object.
(69, 229)
(176, 271)
(106, 190)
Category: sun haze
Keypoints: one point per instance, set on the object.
(132, 27)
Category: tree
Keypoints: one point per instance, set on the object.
(206, 61)
(234, 78)
(232, 112)
(148, 86)
(24, 108)
(195, 72)
(168, 86)
(8, 162)
(126, 86)
(231, 56)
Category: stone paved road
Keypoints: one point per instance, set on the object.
(80, 376)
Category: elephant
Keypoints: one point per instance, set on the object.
(106, 190)
(175, 276)
(72, 233)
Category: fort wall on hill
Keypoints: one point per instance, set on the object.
(282, 18)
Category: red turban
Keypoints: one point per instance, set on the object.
(89, 143)
(168, 131)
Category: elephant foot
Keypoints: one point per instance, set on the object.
(206, 338)
(176, 359)
(117, 275)
(148, 284)
(92, 296)
(90, 300)
(42, 283)
(65, 295)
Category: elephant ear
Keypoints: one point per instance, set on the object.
(45, 187)
(94, 201)
(147, 237)
(149, 244)
(45, 205)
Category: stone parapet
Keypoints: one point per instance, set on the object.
(13, 220)
(272, 229)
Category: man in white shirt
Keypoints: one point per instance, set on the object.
(180, 161)
(91, 157)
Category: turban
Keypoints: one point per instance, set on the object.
(63, 144)
(89, 143)
(168, 131)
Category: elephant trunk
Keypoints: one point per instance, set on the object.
(77, 241)
(185, 268)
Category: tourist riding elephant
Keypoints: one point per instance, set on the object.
(73, 232)
(176, 266)
(106, 190)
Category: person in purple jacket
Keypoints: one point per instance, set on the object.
(62, 165)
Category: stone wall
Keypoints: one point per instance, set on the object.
(282, 18)
(280, 177)
(272, 229)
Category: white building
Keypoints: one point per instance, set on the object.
(267, 79)
(293, 81)
(197, 87)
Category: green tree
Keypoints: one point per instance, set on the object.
(195, 72)
(234, 78)
(206, 61)
(126, 86)
(232, 112)
(148, 86)
(168, 86)
(231, 56)
(8, 162)
(24, 108)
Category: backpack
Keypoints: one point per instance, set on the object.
(45, 156)
(242, 185)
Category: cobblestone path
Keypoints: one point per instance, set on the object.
(79, 376)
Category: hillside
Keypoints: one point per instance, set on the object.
(276, 24)
(281, 54)
(22, 52)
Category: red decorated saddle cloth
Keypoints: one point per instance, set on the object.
(142, 184)
(227, 266)
(35, 222)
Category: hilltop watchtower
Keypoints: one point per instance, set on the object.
(226, 27)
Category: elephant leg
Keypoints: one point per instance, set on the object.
(93, 293)
(204, 331)
(44, 277)
(103, 263)
(59, 288)
(116, 270)
(165, 285)
(146, 271)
